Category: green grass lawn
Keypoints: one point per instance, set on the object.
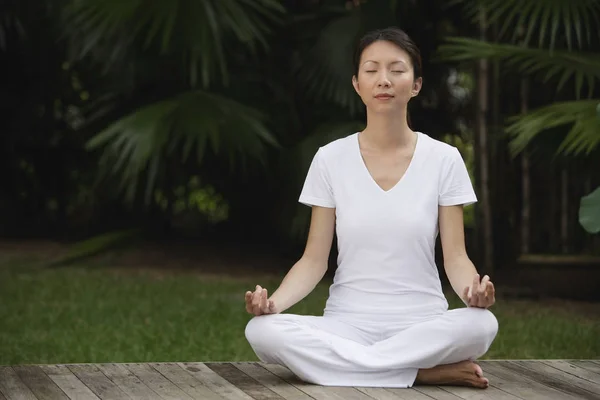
(71, 315)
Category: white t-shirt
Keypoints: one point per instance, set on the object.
(386, 239)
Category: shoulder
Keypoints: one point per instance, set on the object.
(337, 148)
(442, 154)
(436, 147)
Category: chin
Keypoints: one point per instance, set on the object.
(391, 108)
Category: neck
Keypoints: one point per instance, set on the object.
(388, 131)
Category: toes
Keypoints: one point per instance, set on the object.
(478, 370)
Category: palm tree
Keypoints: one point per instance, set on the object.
(557, 48)
(168, 83)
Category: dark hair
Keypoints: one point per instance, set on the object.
(393, 35)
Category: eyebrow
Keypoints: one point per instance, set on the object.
(393, 62)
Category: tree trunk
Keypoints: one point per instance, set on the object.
(525, 181)
(482, 152)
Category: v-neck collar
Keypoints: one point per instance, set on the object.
(406, 172)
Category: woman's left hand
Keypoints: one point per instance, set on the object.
(480, 294)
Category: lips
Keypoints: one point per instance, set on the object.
(383, 96)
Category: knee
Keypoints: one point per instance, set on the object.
(490, 325)
(263, 332)
(485, 324)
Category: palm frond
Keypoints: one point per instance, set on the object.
(550, 19)
(584, 68)
(582, 138)
(589, 212)
(196, 29)
(189, 125)
(326, 71)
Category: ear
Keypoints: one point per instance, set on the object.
(355, 84)
(417, 85)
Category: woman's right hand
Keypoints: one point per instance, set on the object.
(258, 302)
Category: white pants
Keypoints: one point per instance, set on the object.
(342, 351)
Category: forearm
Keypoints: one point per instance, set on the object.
(460, 272)
(302, 278)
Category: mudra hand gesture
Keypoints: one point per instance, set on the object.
(258, 303)
(480, 294)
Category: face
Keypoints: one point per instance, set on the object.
(385, 80)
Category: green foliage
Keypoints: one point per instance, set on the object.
(582, 138)
(583, 68)
(553, 20)
(326, 71)
(191, 123)
(589, 212)
(196, 31)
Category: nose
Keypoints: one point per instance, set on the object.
(383, 80)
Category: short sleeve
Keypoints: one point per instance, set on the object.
(317, 186)
(456, 187)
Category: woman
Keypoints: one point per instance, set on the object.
(386, 191)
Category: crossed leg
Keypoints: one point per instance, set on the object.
(327, 352)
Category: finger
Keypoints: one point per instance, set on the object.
(475, 285)
(492, 293)
(248, 301)
(483, 285)
(256, 301)
(264, 301)
(271, 306)
(466, 297)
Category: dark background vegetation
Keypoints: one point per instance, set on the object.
(195, 122)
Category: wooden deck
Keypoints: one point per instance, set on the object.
(510, 380)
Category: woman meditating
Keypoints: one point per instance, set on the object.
(386, 191)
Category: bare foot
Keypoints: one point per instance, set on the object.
(464, 373)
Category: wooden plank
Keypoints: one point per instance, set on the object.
(560, 375)
(409, 394)
(491, 393)
(522, 386)
(317, 391)
(69, 383)
(98, 383)
(214, 381)
(436, 393)
(378, 393)
(127, 381)
(587, 364)
(550, 377)
(575, 370)
(186, 382)
(40, 384)
(158, 383)
(248, 385)
(12, 387)
(272, 381)
(2, 396)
